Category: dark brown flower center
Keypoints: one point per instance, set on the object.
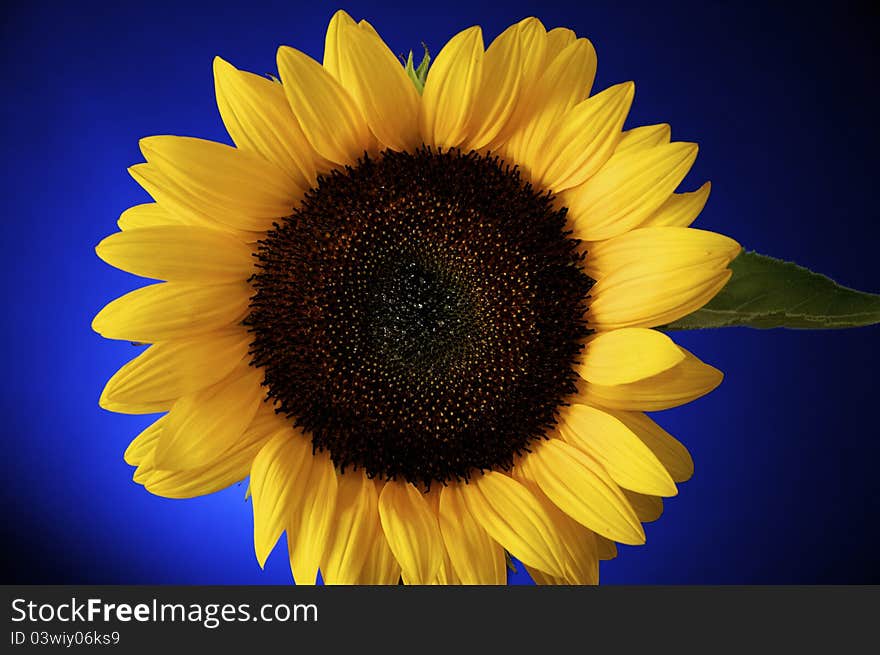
(419, 315)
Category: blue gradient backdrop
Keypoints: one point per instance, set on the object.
(783, 105)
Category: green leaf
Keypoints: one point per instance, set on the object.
(767, 293)
(420, 74)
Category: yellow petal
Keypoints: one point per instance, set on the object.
(542, 579)
(649, 250)
(627, 355)
(629, 188)
(412, 531)
(151, 407)
(642, 138)
(144, 443)
(536, 55)
(513, 517)
(451, 89)
(232, 467)
(681, 209)
(255, 112)
(172, 310)
(144, 470)
(366, 26)
(240, 189)
(354, 529)
(178, 252)
(379, 85)
(325, 111)
(204, 424)
(499, 91)
(267, 421)
(170, 369)
(565, 82)
(582, 140)
(620, 300)
(187, 208)
(447, 575)
(203, 480)
(148, 214)
(580, 487)
(558, 39)
(476, 558)
(380, 567)
(333, 42)
(605, 548)
(276, 482)
(171, 198)
(576, 545)
(629, 462)
(671, 452)
(582, 564)
(647, 508)
(681, 384)
(310, 520)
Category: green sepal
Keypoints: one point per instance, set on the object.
(765, 292)
(509, 561)
(420, 74)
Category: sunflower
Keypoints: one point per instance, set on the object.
(418, 312)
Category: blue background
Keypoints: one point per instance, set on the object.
(784, 106)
